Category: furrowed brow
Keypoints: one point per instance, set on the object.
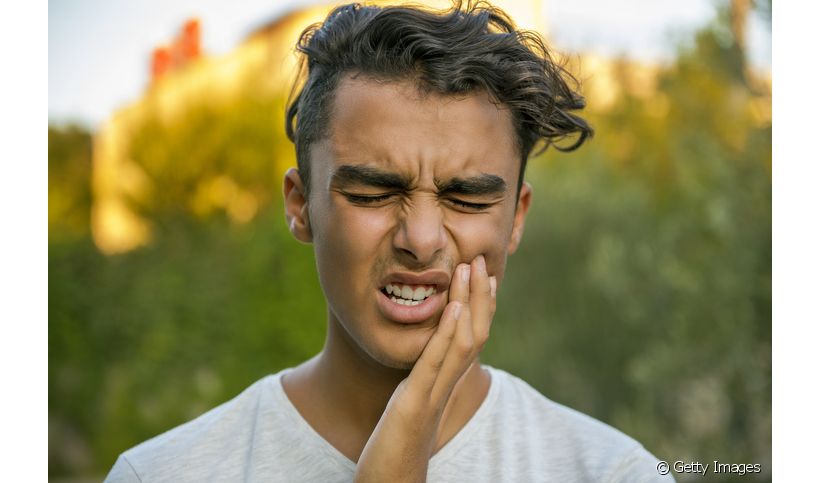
(369, 176)
(483, 184)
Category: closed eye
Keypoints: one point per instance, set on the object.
(374, 199)
(367, 199)
(470, 206)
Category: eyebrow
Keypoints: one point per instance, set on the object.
(483, 184)
(370, 176)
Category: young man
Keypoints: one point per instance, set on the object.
(412, 131)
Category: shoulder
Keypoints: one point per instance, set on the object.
(568, 438)
(197, 444)
(531, 408)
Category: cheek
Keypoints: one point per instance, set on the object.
(348, 231)
(347, 242)
(478, 234)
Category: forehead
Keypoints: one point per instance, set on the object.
(377, 122)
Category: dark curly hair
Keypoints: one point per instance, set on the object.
(464, 49)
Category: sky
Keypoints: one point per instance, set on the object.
(99, 51)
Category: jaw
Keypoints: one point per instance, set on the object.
(377, 347)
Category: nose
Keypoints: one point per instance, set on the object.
(420, 236)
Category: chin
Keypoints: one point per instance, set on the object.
(403, 360)
(398, 364)
(401, 352)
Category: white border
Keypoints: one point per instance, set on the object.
(23, 253)
(795, 244)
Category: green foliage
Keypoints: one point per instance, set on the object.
(242, 140)
(641, 293)
(69, 174)
(141, 342)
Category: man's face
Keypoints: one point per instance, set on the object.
(404, 188)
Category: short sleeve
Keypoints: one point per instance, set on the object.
(641, 466)
(122, 472)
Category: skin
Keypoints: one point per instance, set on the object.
(389, 395)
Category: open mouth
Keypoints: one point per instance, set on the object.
(410, 295)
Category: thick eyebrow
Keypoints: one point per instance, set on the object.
(367, 175)
(483, 184)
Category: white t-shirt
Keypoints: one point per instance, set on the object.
(516, 435)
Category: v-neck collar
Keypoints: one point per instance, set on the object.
(461, 438)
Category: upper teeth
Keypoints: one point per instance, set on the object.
(410, 292)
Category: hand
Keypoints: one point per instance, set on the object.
(404, 439)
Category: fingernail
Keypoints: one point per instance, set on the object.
(493, 284)
(465, 273)
(456, 310)
(481, 264)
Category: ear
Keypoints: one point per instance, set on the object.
(296, 206)
(524, 199)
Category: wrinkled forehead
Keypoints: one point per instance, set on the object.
(395, 123)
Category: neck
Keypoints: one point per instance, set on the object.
(343, 391)
(356, 384)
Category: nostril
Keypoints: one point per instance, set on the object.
(419, 237)
(407, 252)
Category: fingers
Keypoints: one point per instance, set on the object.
(493, 290)
(482, 303)
(423, 376)
(461, 334)
(460, 284)
(473, 328)
(459, 357)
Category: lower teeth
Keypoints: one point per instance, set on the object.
(405, 301)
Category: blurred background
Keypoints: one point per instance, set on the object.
(641, 294)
